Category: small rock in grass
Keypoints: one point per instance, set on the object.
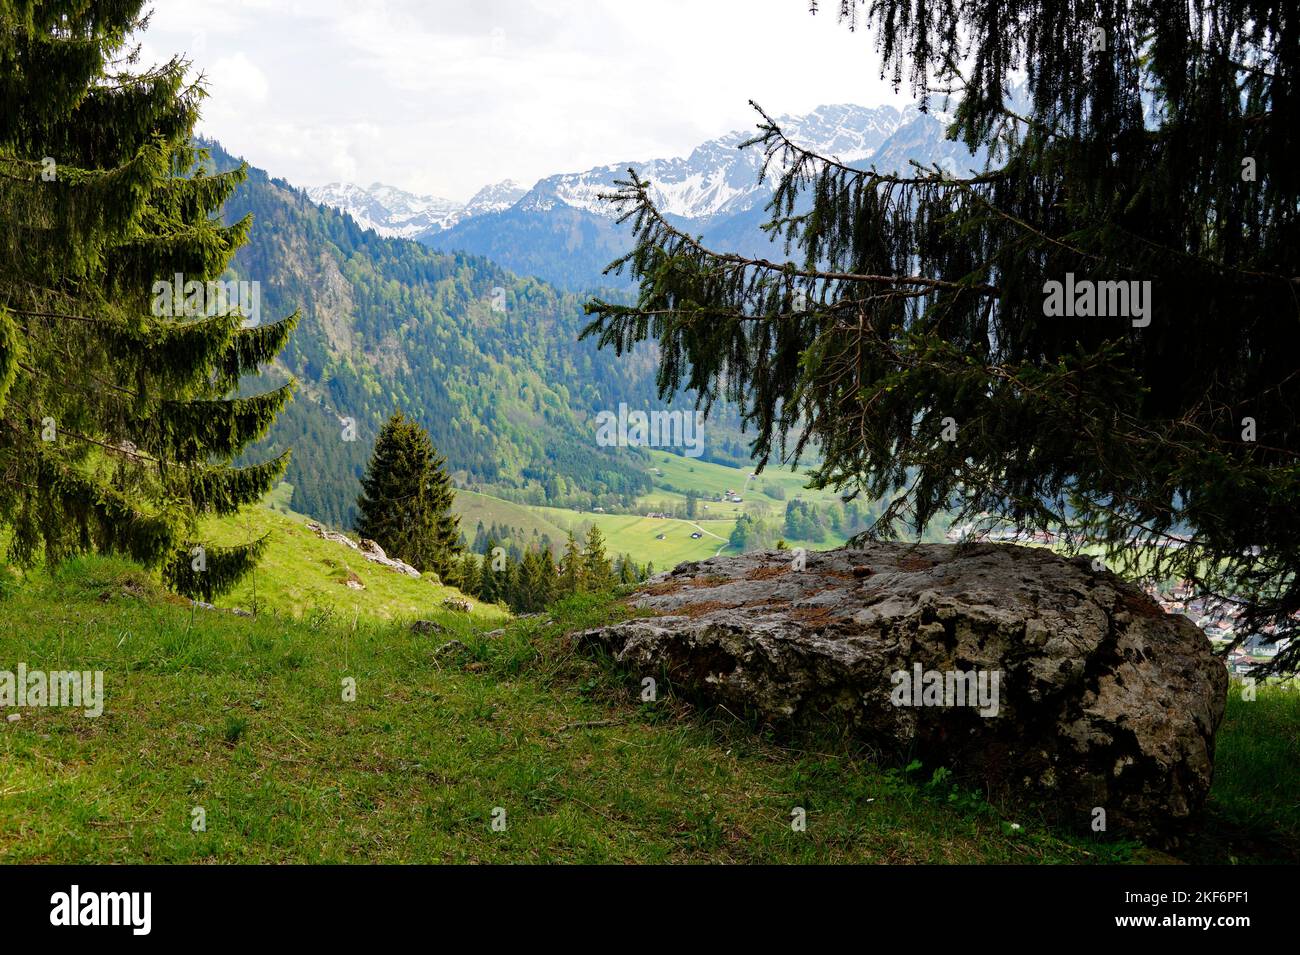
(452, 648)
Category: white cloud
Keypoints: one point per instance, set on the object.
(238, 80)
(443, 97)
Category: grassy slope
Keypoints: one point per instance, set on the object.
(302, 574)
(473, 508)
(246, 719)
(1256, 795)
(628, 534)
(706, 476)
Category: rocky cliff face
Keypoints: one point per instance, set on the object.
(1034, 675)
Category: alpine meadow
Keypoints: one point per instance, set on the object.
(897, 464)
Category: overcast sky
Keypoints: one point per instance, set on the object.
(443, 97)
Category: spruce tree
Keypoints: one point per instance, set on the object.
(546, 579)
(596, 566)
(533, 587)
(521, 585)
(468, 576)
(120, 407)
(626, 570)
(406, 498)
(572, 568)
(910, 323)
(515, 588)
(492, 581)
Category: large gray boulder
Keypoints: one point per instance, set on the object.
(1037, 675)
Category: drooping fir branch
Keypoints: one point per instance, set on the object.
(183, 352)
(224, 490)
(250, 348)
(70, 512)
(9, 353)
(192, 431)
(754, 318)
(204, 572)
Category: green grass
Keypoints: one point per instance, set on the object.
(473, 508)
(1256, 795)
(279, 498)
(661, 500)
(707, 477)
(672, 475)
(246, 719)
(301, 574)
(638, 536)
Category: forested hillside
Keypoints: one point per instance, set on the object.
(488, 362)
(499, 378)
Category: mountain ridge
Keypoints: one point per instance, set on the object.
(714, 178)
(396, 213)
(562, 231)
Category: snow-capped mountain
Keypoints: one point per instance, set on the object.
(388, 210)
(493, 198)
(562, 231)
(717, 178)
(396, 213)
